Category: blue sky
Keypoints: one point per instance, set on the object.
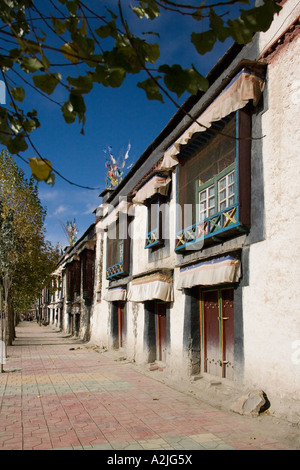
(115, 117)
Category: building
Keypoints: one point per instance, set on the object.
(70, 306)
(196, 253)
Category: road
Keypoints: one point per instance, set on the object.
(59, 393)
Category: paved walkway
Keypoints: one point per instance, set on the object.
(57, 393)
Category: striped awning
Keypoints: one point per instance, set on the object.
(153, 286)
(223, 270)
(158, 184)
(116, 294)
(246, 85)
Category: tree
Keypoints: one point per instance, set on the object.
(26, 258)
(103, 47)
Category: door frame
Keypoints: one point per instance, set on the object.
(219, 290)
(160, 354)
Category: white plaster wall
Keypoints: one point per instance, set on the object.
(100, 320)
(176, 364)
(138, 233)
(271, 307)
(135, 350)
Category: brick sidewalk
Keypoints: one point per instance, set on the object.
(57, 393)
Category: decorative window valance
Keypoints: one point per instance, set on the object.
(153, 286)
(226, 269)
(246, 85)
(115, 294)
(158, 184)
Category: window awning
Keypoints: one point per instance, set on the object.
(246, 85)
(154, 286)
(158, 184)
(226, 269)
(115, 294)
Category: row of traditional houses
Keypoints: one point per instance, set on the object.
(193, 259)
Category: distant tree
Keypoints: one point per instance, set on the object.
(41, 40)
(26, 258)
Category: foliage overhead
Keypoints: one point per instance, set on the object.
(40, 41)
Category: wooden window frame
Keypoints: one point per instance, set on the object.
(122, 267)
(215, 183)
(154, 237)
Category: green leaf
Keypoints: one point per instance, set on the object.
(109, 76)
(68, 112)
(31, 64)
(239, 31)
(110, 29)
(180, 80)
(29, 125)
(151, 52)
(72, 7)
(198, 15)
(196, 81)
(58, 26)
(78, 105)
(17, 144)
(260, 18)
(204, 42)
(217, 26)
(175, 78)
(148, 9)
(18, 93)
(152, 89)
(6, 63)
(82, 84)
(70, 52)
(47, 83)
(140, 12)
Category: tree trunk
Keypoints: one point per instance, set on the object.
(10, 325)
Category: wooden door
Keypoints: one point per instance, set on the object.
(161, 331)
(121, 323)
(227, 332)
(211, 332)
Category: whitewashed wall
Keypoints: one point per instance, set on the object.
(270, 306)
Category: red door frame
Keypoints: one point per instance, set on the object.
(224, 301)
(160, 330)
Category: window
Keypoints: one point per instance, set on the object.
(213, 182)
(218, 194)
(206, 202)
(155, 219)
(226, 190)
(88, 267)
(118, 249)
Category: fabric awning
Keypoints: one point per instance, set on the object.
(158, 184)
(245, 86)
(115, 294)
(153, 286)
(226, 269)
